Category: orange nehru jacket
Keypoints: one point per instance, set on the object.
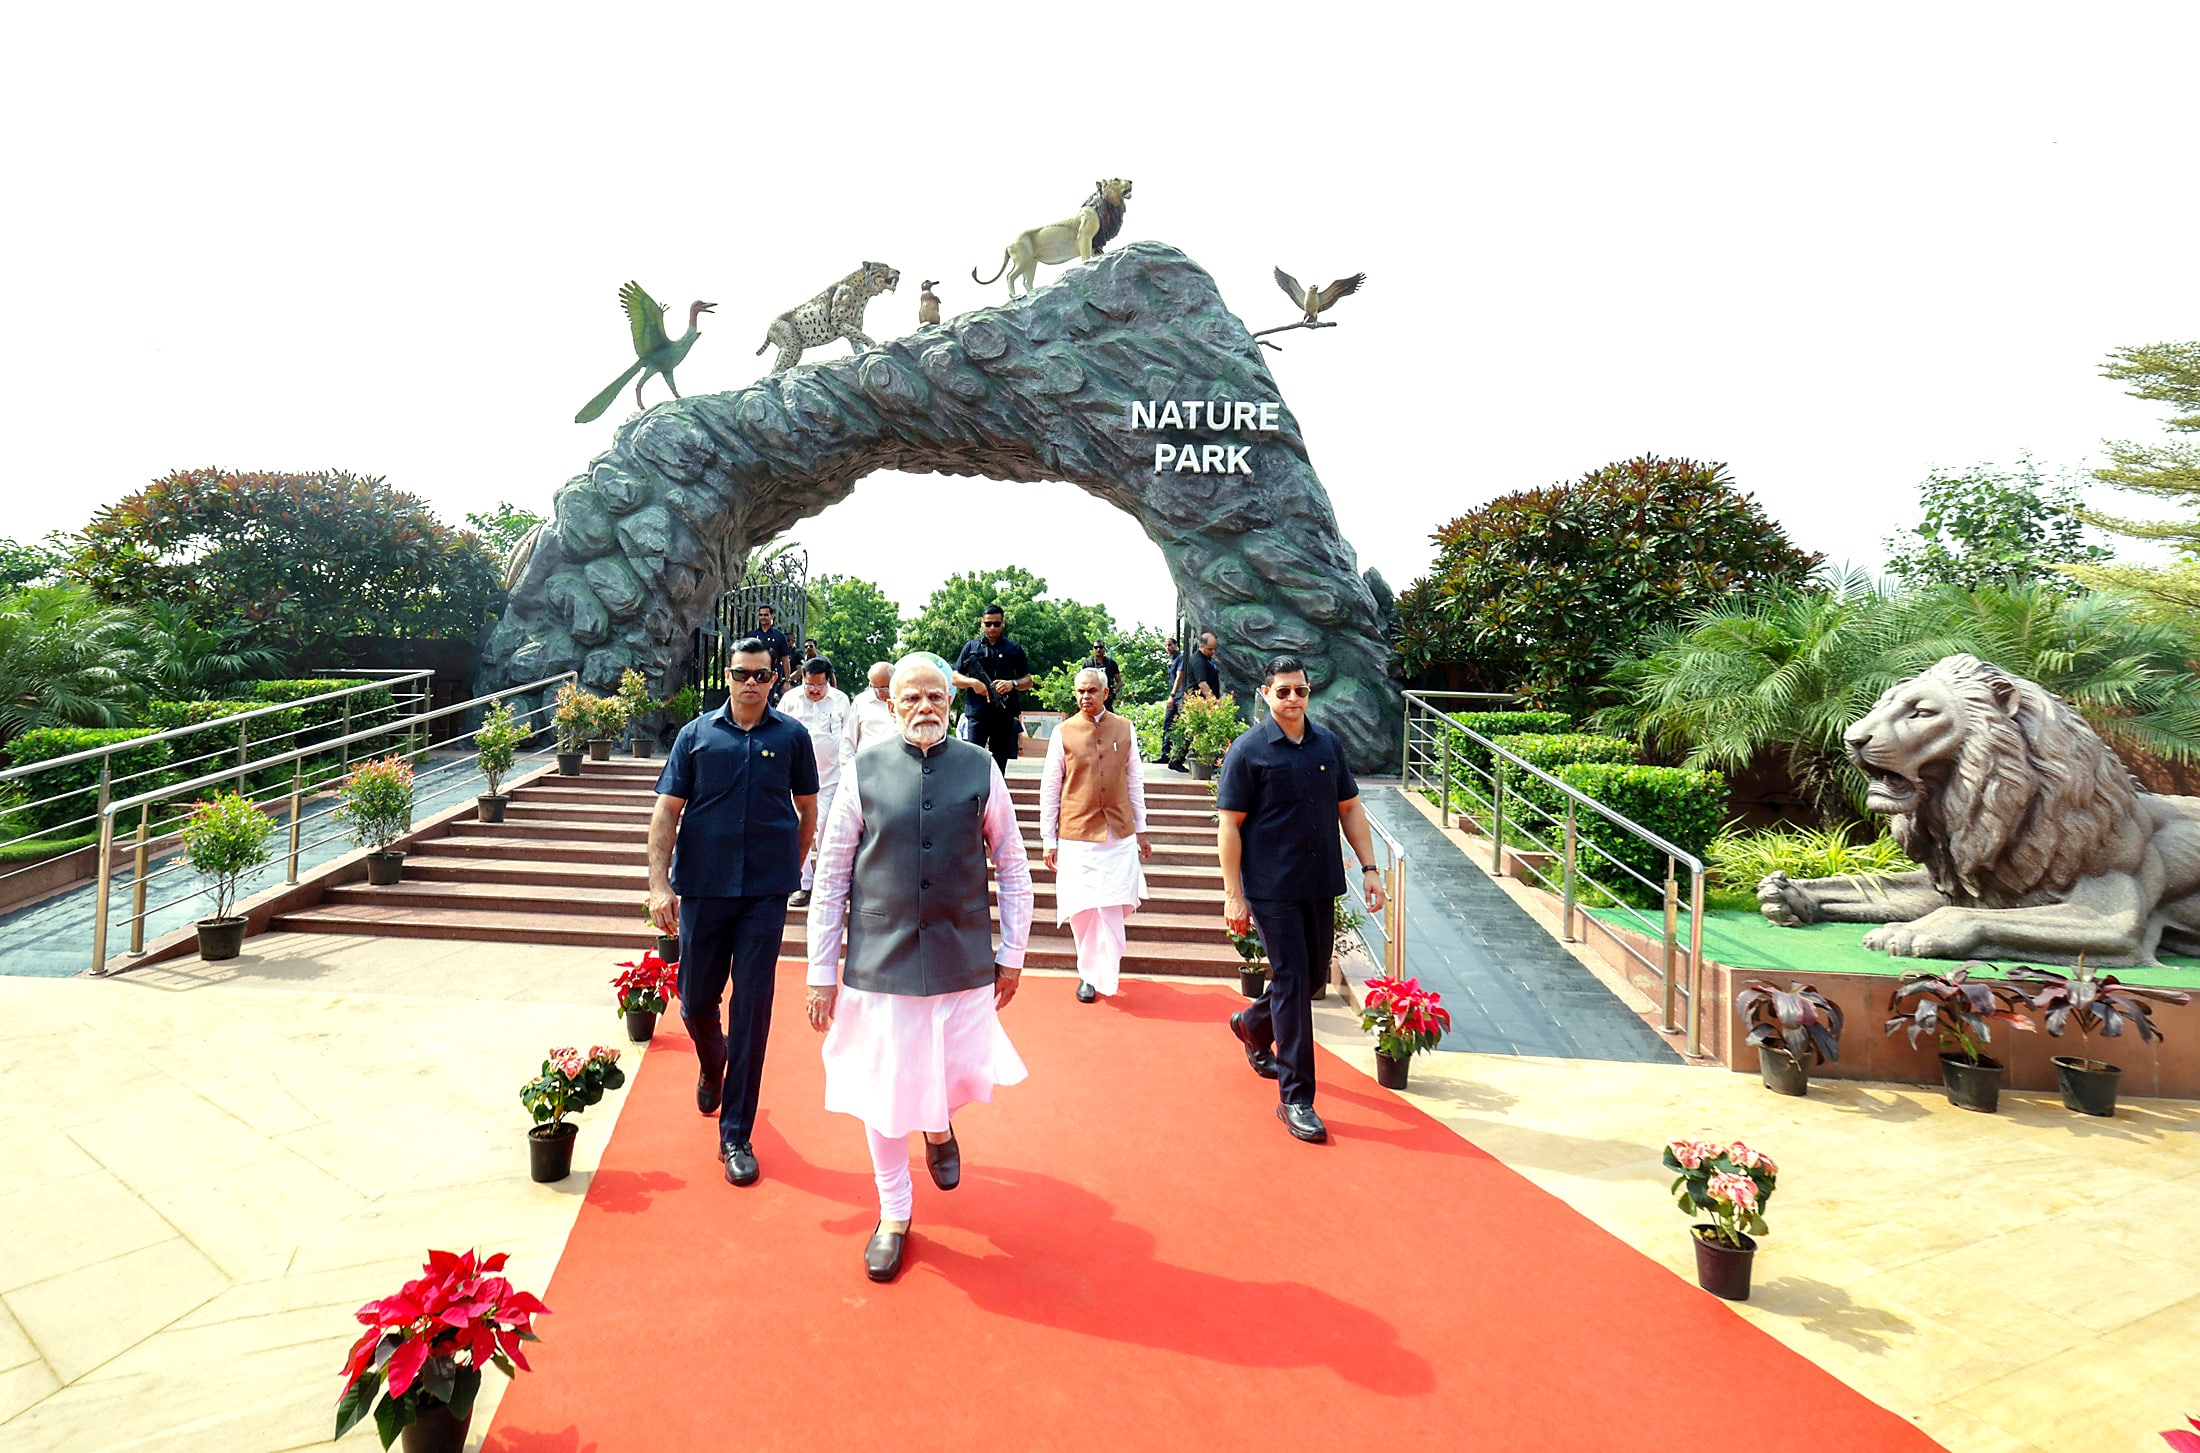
(1096, 784)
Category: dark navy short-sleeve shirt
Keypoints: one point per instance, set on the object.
(1289, 792)
(739, 833)
(1004, 662)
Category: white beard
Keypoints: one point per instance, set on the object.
(925, 733)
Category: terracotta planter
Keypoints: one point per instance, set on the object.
(1972, 1086)
(1532, 868)
(384, 869)
(550, 1151)
(569, 764)
(1391, 1073)
(490, 808)
(220, 938)
(599, 750)
(1783, 1073)
(2088, 1085)
(641, 1025)
(1723, 1270)
(1252, 983)
(435, 1430)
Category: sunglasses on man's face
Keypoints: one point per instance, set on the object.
(1290, 690)
(738, 674)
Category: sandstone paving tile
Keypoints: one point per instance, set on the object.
(38, 1156)
(15, 1347)
(259, 1099)
(66, 1225)
(260, 1400)
(346, 1288)
(88, 1316)
(22, 1387)
(174, 1136)
(59, 1094)
(2109, 1394)
(378, 1149)
(2089, 1282)
(1965, 1432)
(249, 1219)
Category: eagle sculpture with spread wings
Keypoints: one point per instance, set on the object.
(653, 351)
(1317, 301)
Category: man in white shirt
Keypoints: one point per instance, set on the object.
(823, 709)
(871, 715)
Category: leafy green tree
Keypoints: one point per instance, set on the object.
(1145, 666)
(177, 659)
(65, 660)
(1052, 632)
(2168, 471)
(1540, 592)
(43, 562)
(854, 625)
(503, 527)
(1985, 527)
(295, 560)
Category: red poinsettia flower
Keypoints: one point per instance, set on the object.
(458, 1316)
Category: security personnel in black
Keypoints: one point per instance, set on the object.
(781, 649)
(736, 810)
(992, 671)
(1201, 674)
(1285, 790)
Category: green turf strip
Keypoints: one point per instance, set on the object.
(1747, 941)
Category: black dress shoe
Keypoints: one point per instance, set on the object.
(882, 1255)
(1086, 993)
(706, 1093)
(800, 898)
(1256, 1055)
(944, 1161)
(741, 1166)
(1303, 1123)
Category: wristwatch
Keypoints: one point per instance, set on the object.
(1369, 868)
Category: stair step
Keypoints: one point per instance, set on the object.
(539, 850)
(633, 881)
(569, 831)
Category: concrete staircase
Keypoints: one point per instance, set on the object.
(569, 865)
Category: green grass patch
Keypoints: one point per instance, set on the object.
(33, 851)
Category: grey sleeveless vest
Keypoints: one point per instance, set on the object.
(918, 917)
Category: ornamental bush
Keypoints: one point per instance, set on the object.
(496, 744)
(1500, 724)
(1682, 806)
(1145, 720)
(210, 751)
(134, 769)
(377, 802)
(224, 838)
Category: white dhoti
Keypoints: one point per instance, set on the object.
(825, 791)
(901, 1062)
(1096, 886)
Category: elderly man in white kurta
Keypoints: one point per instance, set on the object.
(823, 708)
(870, 717)
(912, 1024)
(1092, 825)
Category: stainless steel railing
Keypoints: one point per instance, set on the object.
(1436, 763)
(1390, 928)
(411, 735)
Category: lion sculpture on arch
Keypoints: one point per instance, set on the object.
(2034, 841)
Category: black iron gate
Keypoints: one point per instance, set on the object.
(781, 580)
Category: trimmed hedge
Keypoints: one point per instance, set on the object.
(1553, 752)
(1498, 724)
(1686, 808)
(44, 743)
(264, 736)
(324, 720)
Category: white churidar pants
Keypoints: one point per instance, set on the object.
(1099, 934)
(890, 1168)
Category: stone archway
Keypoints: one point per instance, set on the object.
(1039, 389)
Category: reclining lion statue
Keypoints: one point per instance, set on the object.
(2034, 841)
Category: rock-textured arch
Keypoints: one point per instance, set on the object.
(1039, 389)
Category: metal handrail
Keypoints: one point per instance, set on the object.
(295, 758)
(1393, 921)
(1506, 763)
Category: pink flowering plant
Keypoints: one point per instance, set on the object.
(426, 1345)
(1728, 1180)
(570, 1082)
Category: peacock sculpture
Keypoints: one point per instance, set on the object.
(654, 353)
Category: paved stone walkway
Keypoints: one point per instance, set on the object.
(1510, 987)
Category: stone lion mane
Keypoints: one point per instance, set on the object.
(1110, 215)
(2033, 796)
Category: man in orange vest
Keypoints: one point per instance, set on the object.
(1092, 827)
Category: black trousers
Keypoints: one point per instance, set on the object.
(1297, 933)
(1168, 724)
(736, 939)
(1000, 733)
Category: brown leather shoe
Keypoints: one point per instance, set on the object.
(882, 1255)
(944, 1161)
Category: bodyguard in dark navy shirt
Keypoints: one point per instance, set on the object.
(1285, 790)
(776, 642)
(992, 670)
(736, 810)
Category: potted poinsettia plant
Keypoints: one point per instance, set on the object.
(644, 988)
(1253, 976)
(2095, 1004)
(1791, 1028)
(634, 698)
(224, 838)
(569, 1083)
(377, 801)
(1732, 1183)
(425, 1347)
(1961, 1012)
(1405, 1020)
(573, 718)
(496, 747)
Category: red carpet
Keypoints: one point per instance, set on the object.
(1138, 1257)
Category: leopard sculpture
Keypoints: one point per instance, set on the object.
(835, 313)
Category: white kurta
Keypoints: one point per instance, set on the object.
(1104, 874)
(904, 1062)
(827, 720)
(869, 720)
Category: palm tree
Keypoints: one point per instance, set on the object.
(65, 660)
(181, 660)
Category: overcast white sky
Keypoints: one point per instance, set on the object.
(1831, 246)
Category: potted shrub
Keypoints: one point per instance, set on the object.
(573, 719)
(683, 706)
(606, 724)
(425, 1347)
(1960, 1011)
(1210, 724)
(634, 700)
(644, 989)
(567, 1085)
(1253, 977)
(224, 838)
(1732, 1183)
(1405, 1019)
(377, 800)
(496, 746)
(2095, 1004)
(1791, 1027)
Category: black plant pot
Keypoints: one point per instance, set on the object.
(641, 1025)
(668, 947)
(1784, 1074)
(384, 869)
(550, 1151)
(489, 807)
(1391, 1073)
(223, 938)
(1723, 1270)
(435, 1430)
(2088, 1086)
(1252, 983)
(569, 764)
(1972, 1086)
(599, 750)
(1202, 770)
